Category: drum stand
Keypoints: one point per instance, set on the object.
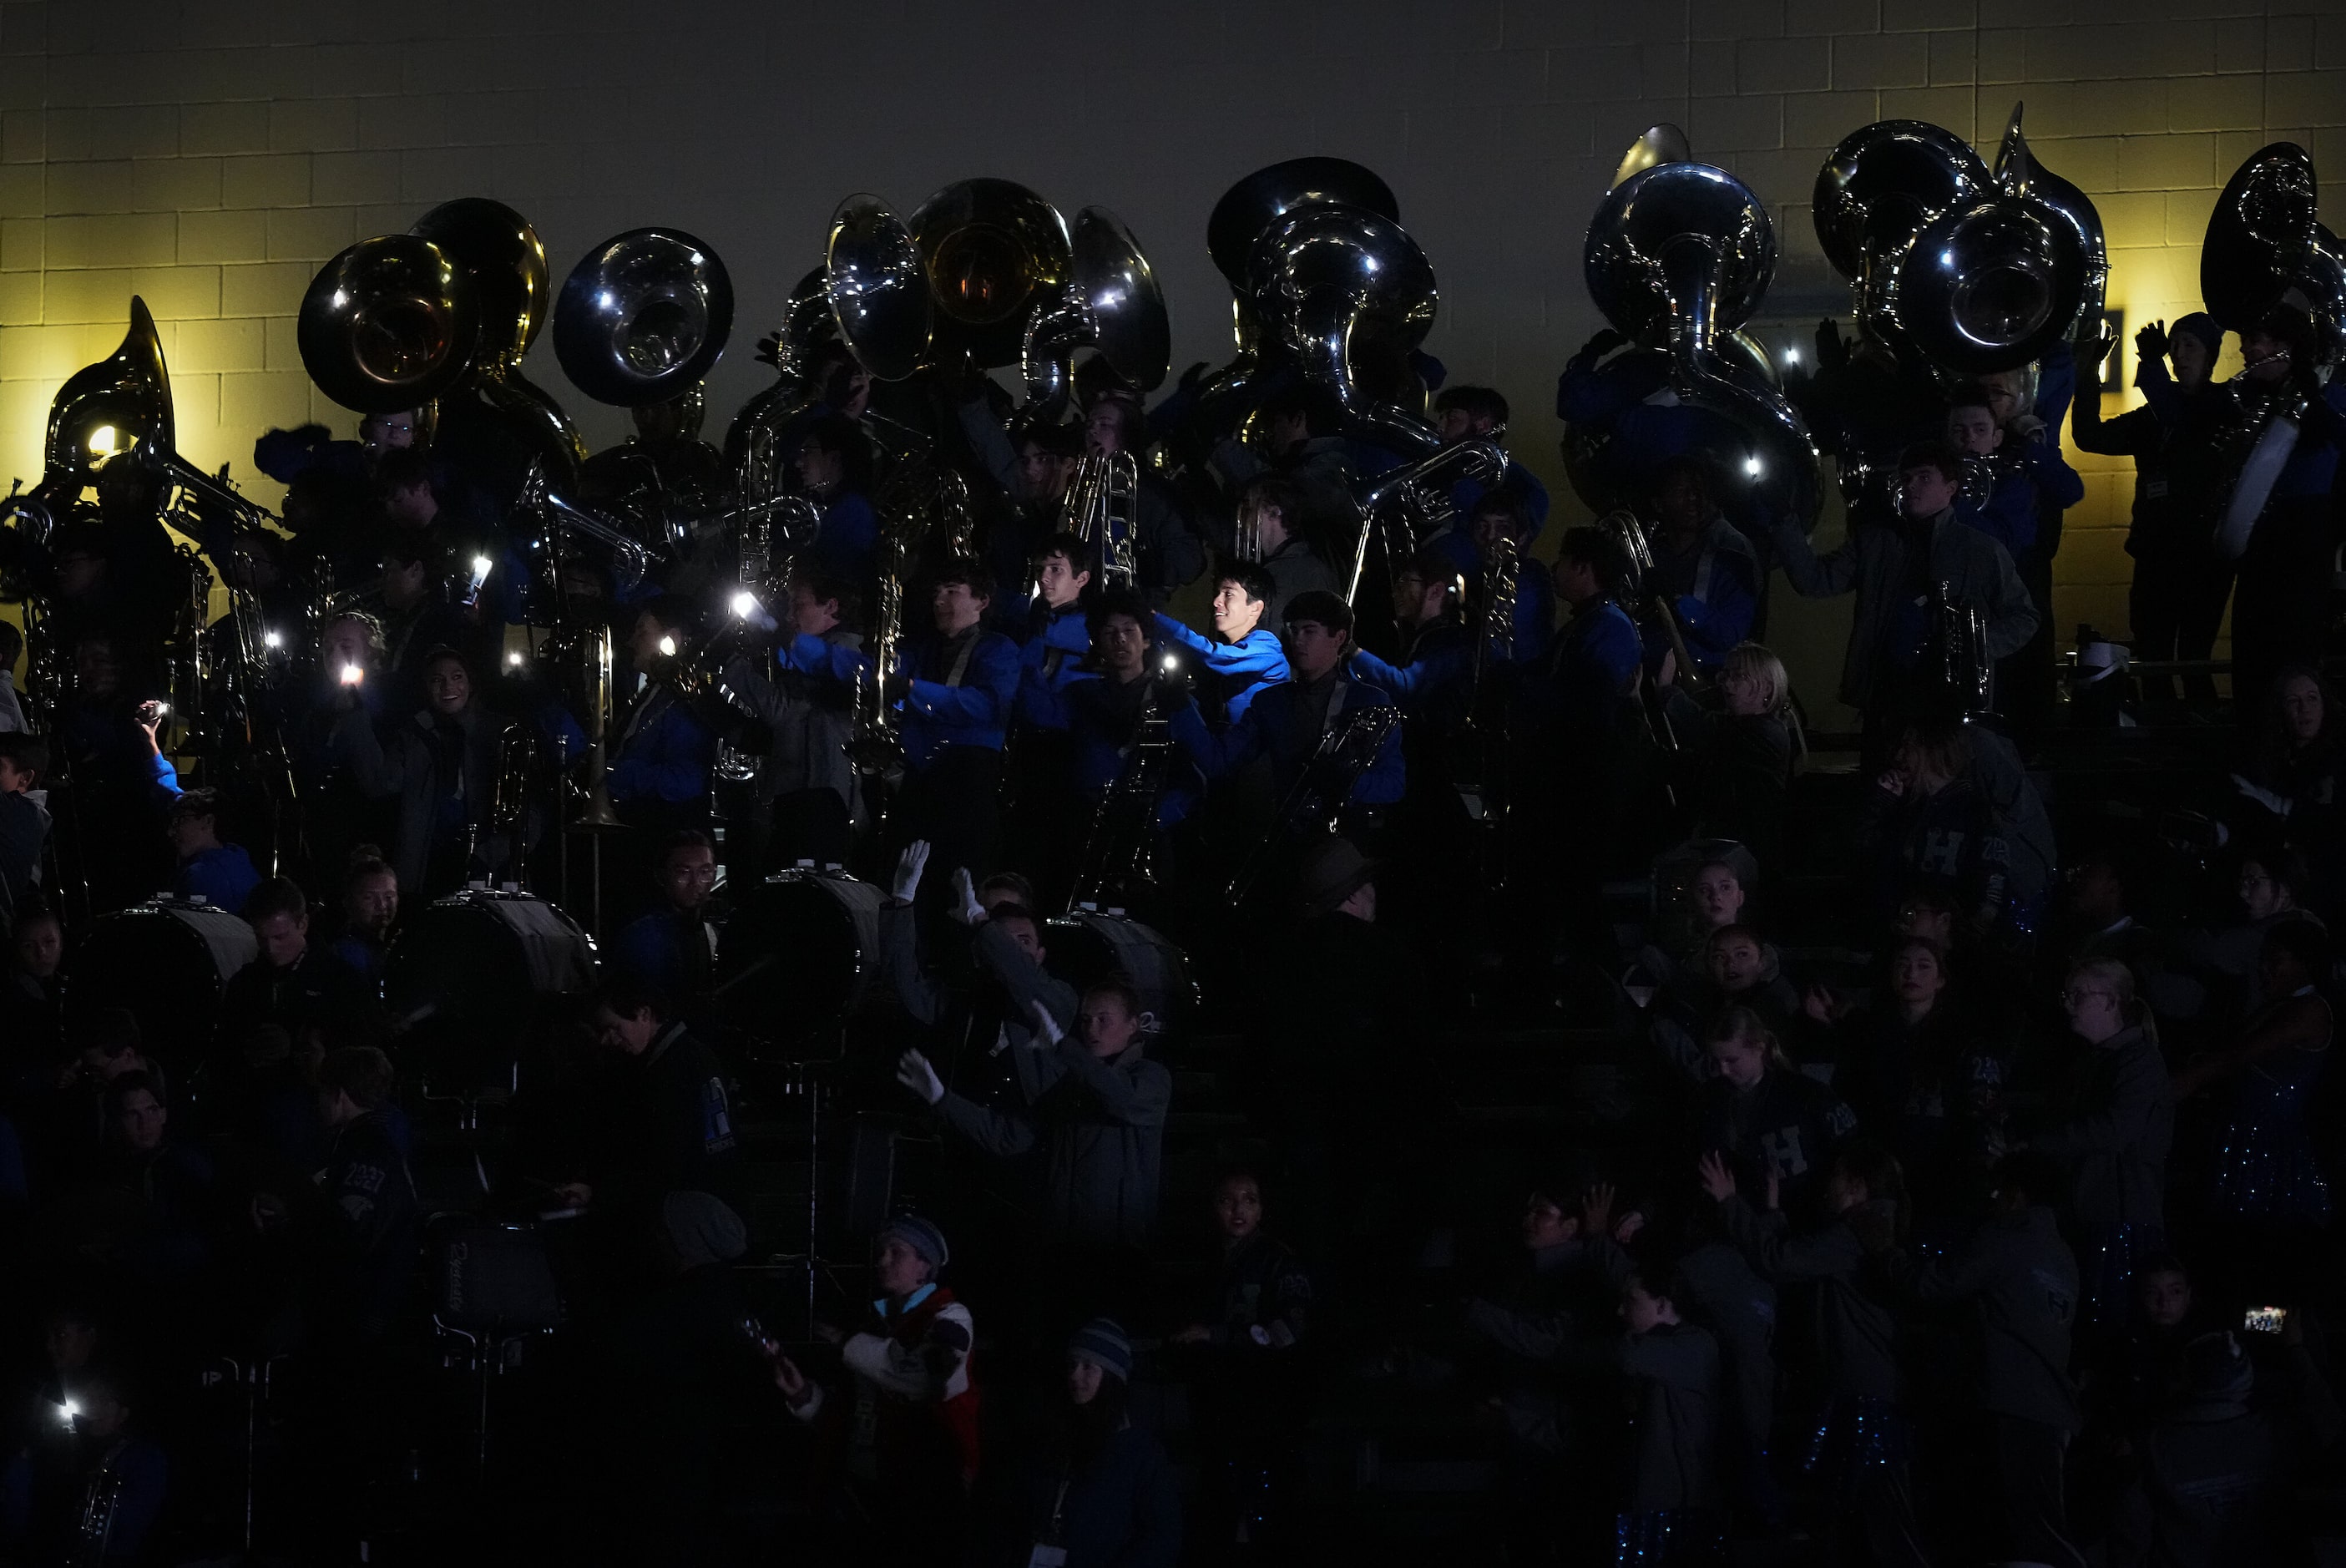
(800, 1081)
(252, 1378)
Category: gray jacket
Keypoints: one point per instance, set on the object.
(2115, 1142)
(1873, 561)
(1019, 981)
(2023, 1278)
(1857, 1335)
(809, 733)
(1673, 1373)
(1101, 1127)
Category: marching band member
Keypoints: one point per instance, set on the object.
(2181, 581)
(1243, 654)
(1703, 565)
(1894, 568)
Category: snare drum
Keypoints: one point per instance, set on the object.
(167, 961)
(1086, 946)
(800, 956)
(477, 970)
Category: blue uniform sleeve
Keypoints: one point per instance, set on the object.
(1217, 756)
(1534, 614)
(1616, 648)
(1047, 705)
(1713, 628)
(2059, 483)
(166, 777)
(1188, 636)
(986, 698)
(1420, 681)
(812, 655)
(671, 764)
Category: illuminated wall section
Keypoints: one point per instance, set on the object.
(211, 155)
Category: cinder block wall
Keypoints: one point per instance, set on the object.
(210, 156)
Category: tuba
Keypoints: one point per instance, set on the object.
(643, 317)
(390, 323)
(1347, 295)
(992, 253)
(1951, 265)
(502, 253)
(2264, 239)
(1678, 256)
(1112, 304)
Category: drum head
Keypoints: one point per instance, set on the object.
(1085, 949)
(475, 973)
(168, 963)
(798, 957)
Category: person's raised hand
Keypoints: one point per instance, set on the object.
(912, 1071)
(965, 906)
(1717, 1179)
(149, 719)
(1045, 1026)
(2150, 343)
(909, 867)
(1597, 1210)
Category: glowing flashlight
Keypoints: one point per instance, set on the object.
(1792, 356)
(512, 658)
(352, 674)
(66, 1410)
(272, 640)
(1172, 662)
(162, 711)
(744, 604)
(667, 648)
(1751, 466)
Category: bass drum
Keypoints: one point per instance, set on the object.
(167, 961)
(800, 959)
(470, 980)
(1086, 946)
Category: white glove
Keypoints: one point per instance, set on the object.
(909, 867)
(971, 913)
(912, 1071)
(2277, 805)
(1047, 1026)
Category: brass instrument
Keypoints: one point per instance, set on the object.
(1118, 858)
(1628, 533)
(1315, 801)
(2265, 239)
(1388, 505)
(1239, 221)
(807, 322)
(186, 656)
(992, 252)
(1950, 266)
(1347, 295)
(509, 802)
(643, 317)
(2019, 172)
(1112, 303)
(878, 289)
(1679, 255)
(595, 812)
(1101, 508)
(538, 496)
(101, 1500)
(1478, 748)
(499, 250)
(24, 528)
(388, 325)
(875, 744)
(1958, 648)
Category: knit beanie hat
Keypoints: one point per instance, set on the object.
(922, 1237)
(1102, 1342)
(2199, 324)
